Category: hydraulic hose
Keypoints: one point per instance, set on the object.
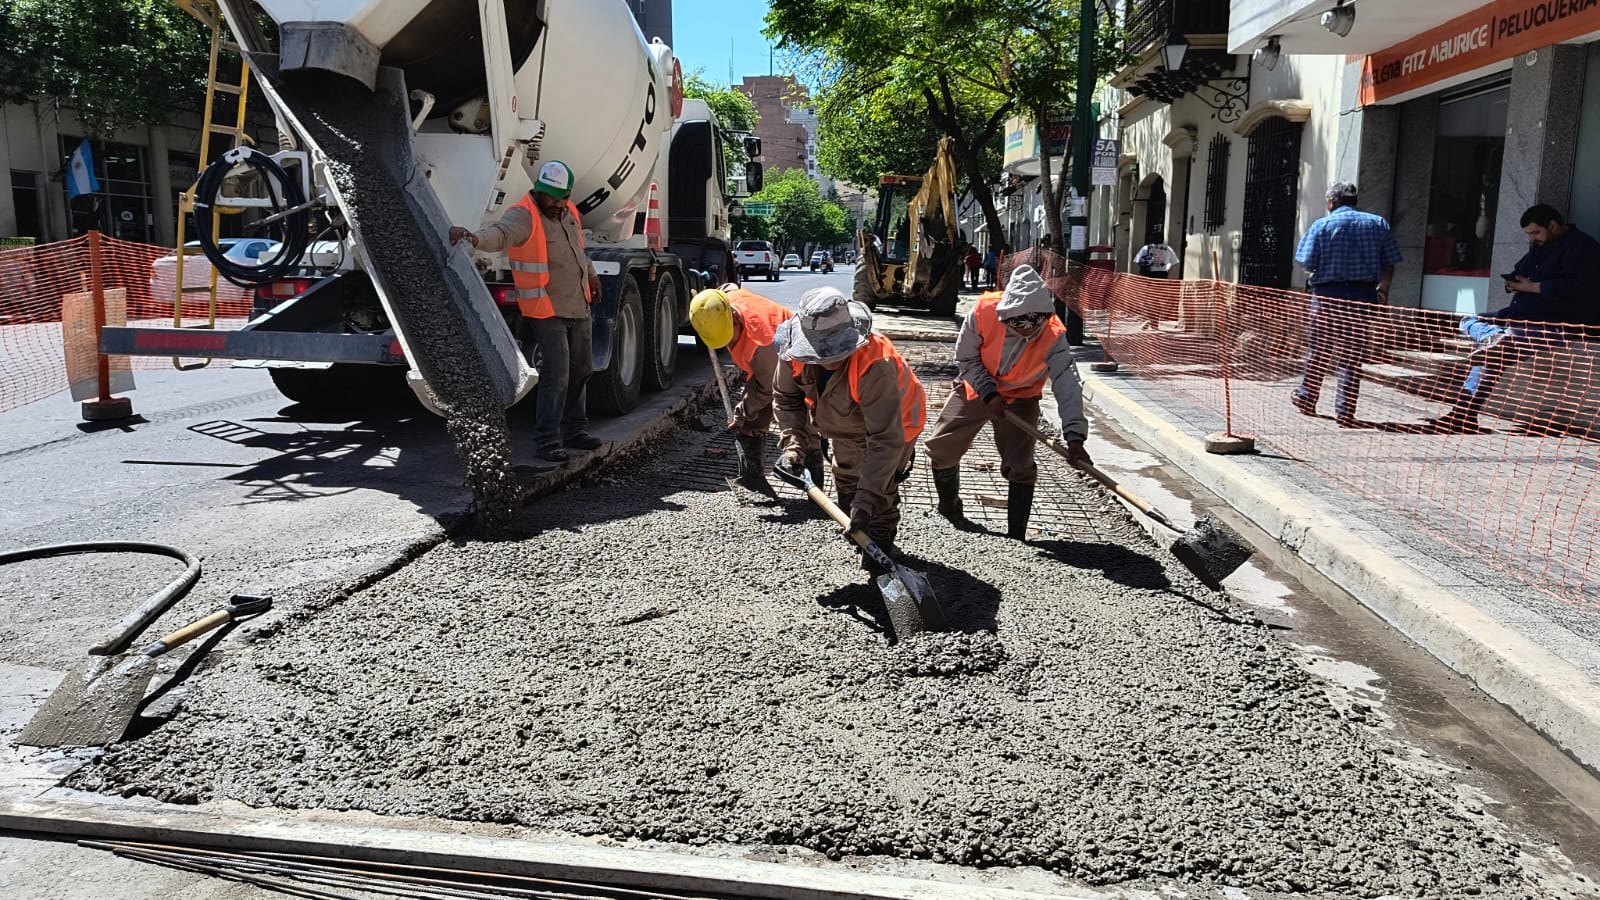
(295, 222)
(123, 634)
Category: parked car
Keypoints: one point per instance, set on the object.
(197, 270)
(756, 257)
(792, 261)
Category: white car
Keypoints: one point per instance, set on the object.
(197, 270)
(792, 261)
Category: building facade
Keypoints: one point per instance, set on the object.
(785, 143)
(1453, 117)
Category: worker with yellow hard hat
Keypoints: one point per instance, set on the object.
(744, 322)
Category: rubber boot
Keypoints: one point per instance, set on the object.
(816, 465)
(752, 464)
(1019, 507)
(947, 482)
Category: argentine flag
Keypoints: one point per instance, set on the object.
(80, 172)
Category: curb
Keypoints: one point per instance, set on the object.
(576, 860)
(1544, 690)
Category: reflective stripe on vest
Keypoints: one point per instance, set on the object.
(913, 399)
(530, 264)
(1026, 377)
(761, 318)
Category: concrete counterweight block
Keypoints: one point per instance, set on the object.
(1228, 444)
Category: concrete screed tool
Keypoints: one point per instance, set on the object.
(1210, 550)
(97, 699)
(907, 595)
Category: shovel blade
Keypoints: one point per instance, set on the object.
(1212, 551)
(911, 591)
(93, 704)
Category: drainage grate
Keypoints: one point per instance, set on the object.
(1064, 505)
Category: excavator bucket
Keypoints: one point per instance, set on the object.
(448, 326)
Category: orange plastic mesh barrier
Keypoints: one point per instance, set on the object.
(35, 280)
(1509, 475)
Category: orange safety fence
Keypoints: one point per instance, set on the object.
(35, 283)
(1510, 476)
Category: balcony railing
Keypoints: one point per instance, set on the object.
(1150, 21)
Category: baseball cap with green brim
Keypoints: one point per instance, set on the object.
(554, 179)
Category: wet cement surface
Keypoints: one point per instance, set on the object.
(655, 663)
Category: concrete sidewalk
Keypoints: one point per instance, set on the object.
(1538, 655)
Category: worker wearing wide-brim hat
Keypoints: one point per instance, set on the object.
(849, 384)
(1010, 345)
(746, 323)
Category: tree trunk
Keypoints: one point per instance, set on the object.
(1047, 184)
(946, 114)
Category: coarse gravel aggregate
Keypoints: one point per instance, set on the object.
(668, 665)
(355, 129)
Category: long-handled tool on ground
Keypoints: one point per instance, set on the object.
(97, 699)
(907, 595)
(1211, 550)
(749, 476)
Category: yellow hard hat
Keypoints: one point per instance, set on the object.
(712, 317)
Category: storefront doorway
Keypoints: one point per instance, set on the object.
(121, 208)
(1464, 194)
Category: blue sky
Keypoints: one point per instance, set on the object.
(705, 32)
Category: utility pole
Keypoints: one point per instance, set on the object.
(1082, 147)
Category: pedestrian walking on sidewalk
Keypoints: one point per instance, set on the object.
(844, 382)
(746, 323)
(1350, 257)
(974, 262)
(1155, 259)
(555, 282)
(1009, 346)
(991, 262)
(1555, 283)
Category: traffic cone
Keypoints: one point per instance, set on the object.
(652, 221)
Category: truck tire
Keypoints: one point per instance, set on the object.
(661, 334)
(616, 390)
(772, 274)
(862, 290)
(345, 387)
(944, 303)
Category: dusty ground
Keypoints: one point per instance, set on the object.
(664, 664)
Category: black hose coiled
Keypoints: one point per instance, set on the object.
(296, 227)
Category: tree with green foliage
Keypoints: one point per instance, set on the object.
(799, 214)
(118, 64)
(972, 65)
(734, 111)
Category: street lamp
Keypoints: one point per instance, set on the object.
(1176, 48)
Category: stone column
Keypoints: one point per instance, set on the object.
(1541, 143)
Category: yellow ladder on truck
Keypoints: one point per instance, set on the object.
(210, 15)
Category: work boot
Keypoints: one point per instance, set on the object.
(815, 464)
(752, 448)
(1019, 507)
(582, 440)
(948, 483)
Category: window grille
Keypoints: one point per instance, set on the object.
(1271, 194)
(1217, 184)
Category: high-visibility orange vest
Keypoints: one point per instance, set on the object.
(1025, 380)
(760, 319)
(530, 264)
(913, 399)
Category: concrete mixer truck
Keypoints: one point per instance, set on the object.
(401, 118)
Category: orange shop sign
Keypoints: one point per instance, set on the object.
(1498, 31)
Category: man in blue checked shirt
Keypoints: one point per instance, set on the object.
(1350, 257)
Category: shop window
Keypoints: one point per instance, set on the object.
(1468, 149)
(1271, 198)
(122, 208)
(27, 199)
(1217, 184)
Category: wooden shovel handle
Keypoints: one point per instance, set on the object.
(1110, 483)
(189, 632)
(838, 515)
(722, 384)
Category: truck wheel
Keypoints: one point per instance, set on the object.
(862, 291)
(772, 274)
(661, 334)
(616, 390)
(944, 303)
(345, 387)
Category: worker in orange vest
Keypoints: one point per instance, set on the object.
(746, 323)
(542, 235)
(847, 383)
(1010, 344)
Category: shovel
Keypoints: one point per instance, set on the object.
(909, 598)
(1211, 550)
(755, 482)
(96, 700)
